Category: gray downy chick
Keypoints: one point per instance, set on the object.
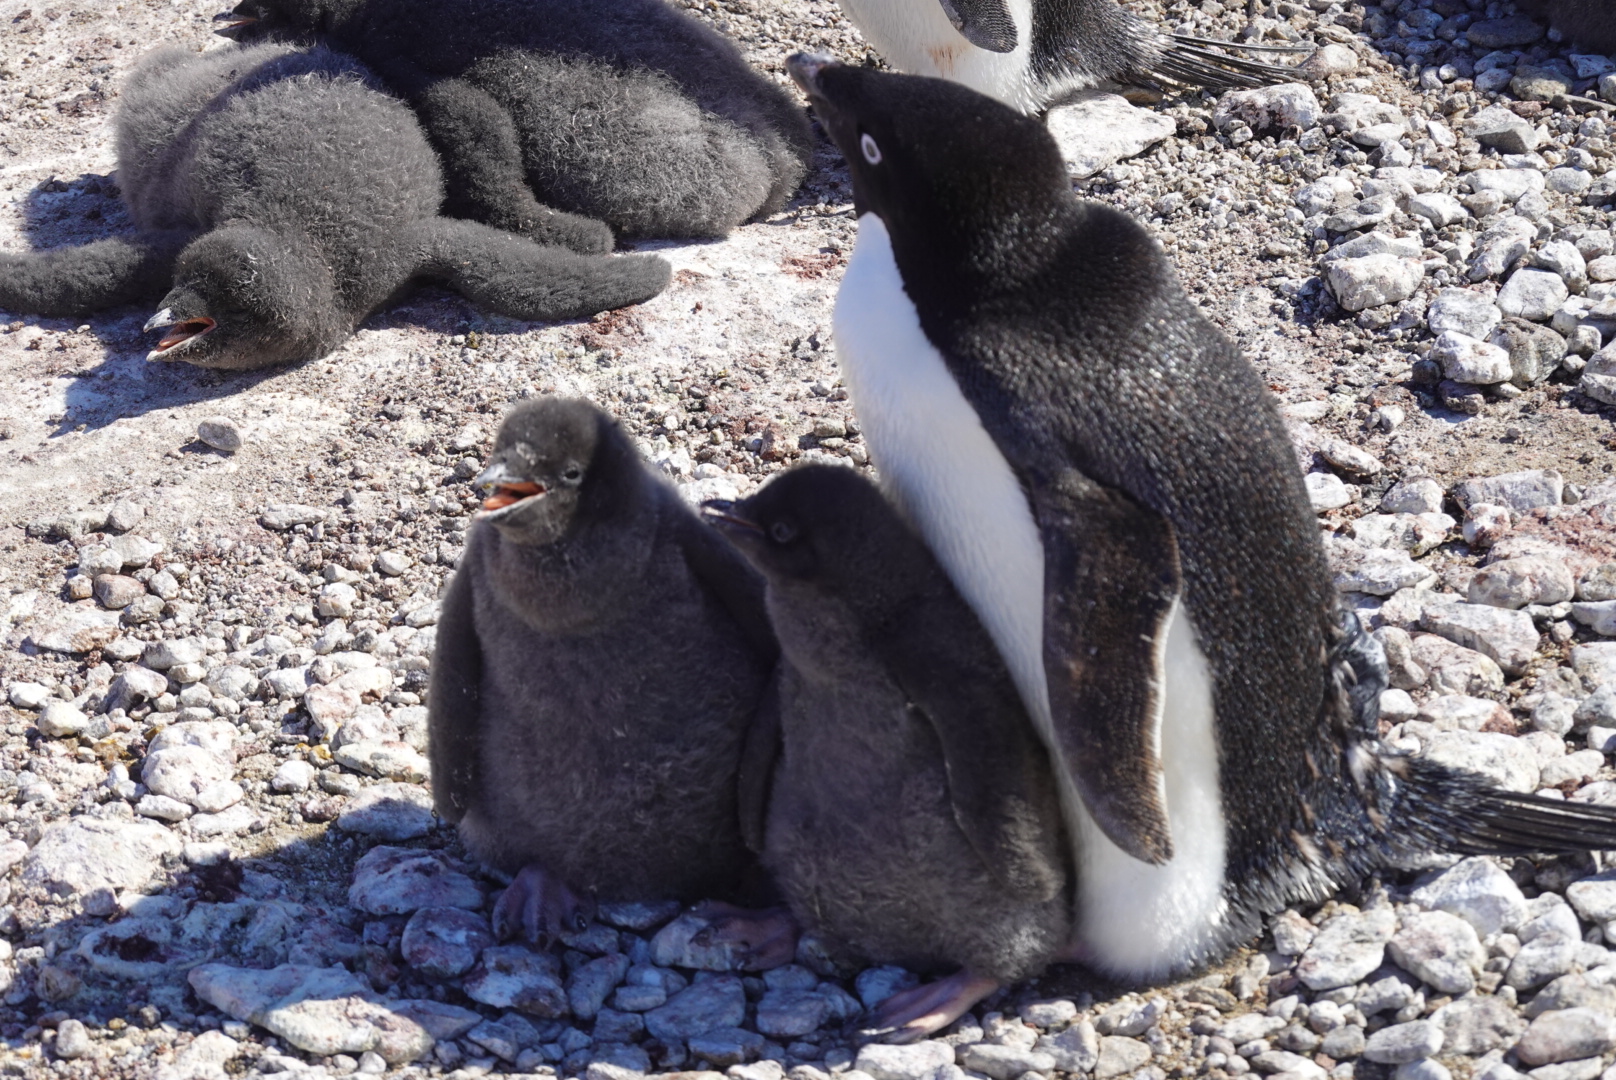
(600, 657)
(624, 110)
(279, 199)
(912, 815)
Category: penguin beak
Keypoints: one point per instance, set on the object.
(507, 490)
(232, 20)
(181, 332)
(727, 517)
(804, 69)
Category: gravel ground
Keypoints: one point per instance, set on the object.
(219, 591)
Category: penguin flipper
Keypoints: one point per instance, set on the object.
(91, 277)
(485, 179)
(1436, 808)
(729, 578)
(987, 24)
(1111, 581)
(511, 275)
(454, 699)
(999, 783)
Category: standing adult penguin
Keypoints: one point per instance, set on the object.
(911, 816)
(1030, 53)
(1110, 487)
(623, 110)
(600, 658)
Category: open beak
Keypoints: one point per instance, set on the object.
(230, 21)
(179, 333)
(726, 515)
(506, 490)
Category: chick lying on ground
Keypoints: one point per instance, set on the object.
(624, 110)
(280, 198)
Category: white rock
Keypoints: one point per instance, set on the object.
(1533, 294)
(1348, 947)
(917, 1061)
(1099, 129)
(1520, 491)
(1508, 761)
(295, 774)
(393, 563)
(1439, 209)
(1326, 491)
(1514, 583)
(85, 854)
(389, 811)
(1500, 245)
(1508, 637)
(337, 600)
(1415, 495)
(28, 695)
(193, 776)
(1441, 949)
(1269, 108)
(1485, 524)
(1374, 280)
(1467, 360)
(62, 719)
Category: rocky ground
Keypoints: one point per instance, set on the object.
(219, 590)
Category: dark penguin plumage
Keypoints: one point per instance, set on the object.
(600, 657)
(1030, 53)
(1110, 487)
(912, 815)
(622, 110)
(1588, 24)
(280, 199)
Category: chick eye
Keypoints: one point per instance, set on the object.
(572, 474)
(872, 152)
(782, 532)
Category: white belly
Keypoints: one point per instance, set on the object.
(915, 37)
(949, 478)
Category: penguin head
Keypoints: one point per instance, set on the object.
(278, 20)
(555, 460)
(245, 298)
(823, 527)
(943, 166)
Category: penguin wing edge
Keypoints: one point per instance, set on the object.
(1111, 581)
(987, 24)
(454, 705)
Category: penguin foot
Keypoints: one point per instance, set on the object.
(911, 1015)
(539, 907)
(767, 935)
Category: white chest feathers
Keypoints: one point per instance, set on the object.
(916, 37)
(946, 474)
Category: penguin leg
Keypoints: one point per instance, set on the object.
(79, 280)
(911, 1015)
(485, 179)
(769, 935)
(539, 907)
(516, 277)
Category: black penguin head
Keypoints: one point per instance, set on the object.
(944, 167)
(826, 527)
(246, 298)
(279, 20)
(555, 460)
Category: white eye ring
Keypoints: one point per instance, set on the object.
(872, 152)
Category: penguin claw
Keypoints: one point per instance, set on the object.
(911, 1015)
(768, 936)
(538, 907)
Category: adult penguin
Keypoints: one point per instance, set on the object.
(1110, 487)
(1030, 53)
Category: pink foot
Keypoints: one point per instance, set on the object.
(911, 1015)
(539, 907)
(768, 935)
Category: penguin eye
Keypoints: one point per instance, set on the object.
(782, 532)
(572, 474)
(872, 152)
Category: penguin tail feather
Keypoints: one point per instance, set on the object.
(1186, 61)
(1443, 809)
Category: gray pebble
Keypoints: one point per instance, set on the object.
(220, 433)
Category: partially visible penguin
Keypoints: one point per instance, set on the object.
(601, 655)
(622, 110)
(1589, 24)
(911, 816)
(279, 198)
(1108, 484)
(1031, 53)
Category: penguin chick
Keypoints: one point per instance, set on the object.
(1031, 53)
(912, 815)
(623, 110)
(1110, 487)
(1589, 24)
(280, 199)
(600, 657)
